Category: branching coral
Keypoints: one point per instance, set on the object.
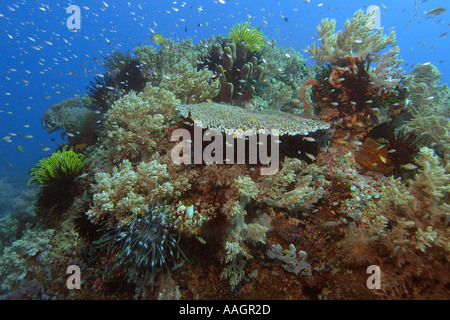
(356, 40)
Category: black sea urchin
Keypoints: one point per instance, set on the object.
(144, 247)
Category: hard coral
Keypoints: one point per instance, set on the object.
(239, 121)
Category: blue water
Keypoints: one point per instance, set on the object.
(42, 62)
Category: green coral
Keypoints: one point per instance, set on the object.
(251, 37)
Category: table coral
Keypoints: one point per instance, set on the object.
(237, 120)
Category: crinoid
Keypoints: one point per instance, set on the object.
(401, 146)
(126, 71)
(123, 73)
(145, 247)
(58, 174)
(251, 37)
(100, 90)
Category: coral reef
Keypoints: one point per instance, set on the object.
(37, 256)
(13, 266)
(362, 176)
